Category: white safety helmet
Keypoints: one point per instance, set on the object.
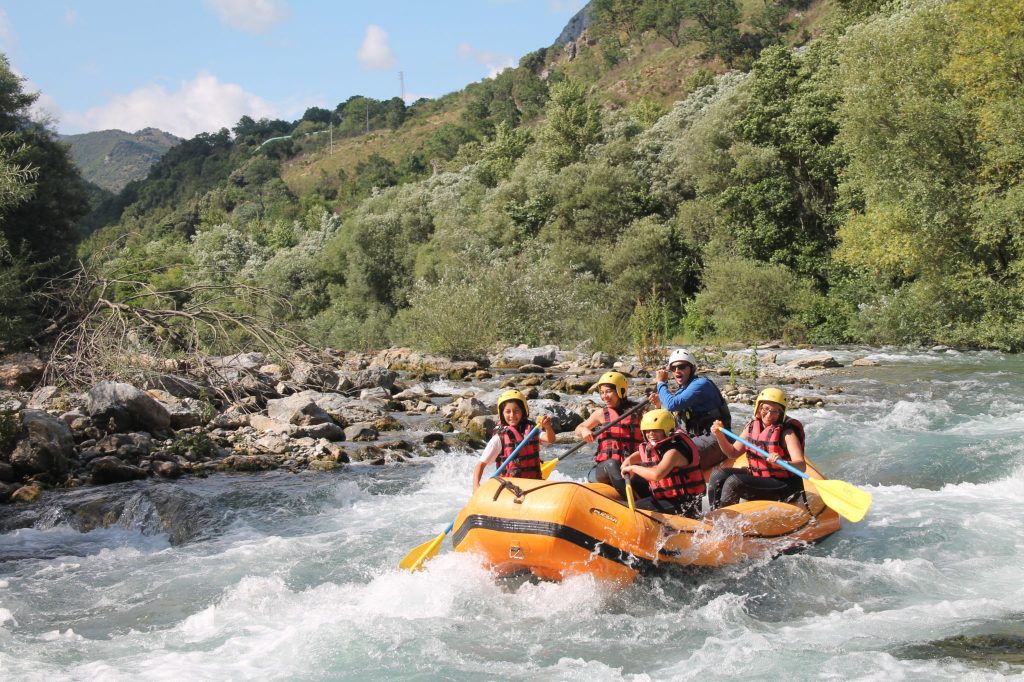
(682, 355)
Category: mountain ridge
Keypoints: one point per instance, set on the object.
(112, 158)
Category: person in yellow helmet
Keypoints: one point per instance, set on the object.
(615, 443)
(513, 413)
(670, 463)
(762, 479)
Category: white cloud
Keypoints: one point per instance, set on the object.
(375, 53)
(251, 16)
(495, 63)
(203, 104)
(71, 17)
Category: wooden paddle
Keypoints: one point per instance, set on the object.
(547, 467)
(849, 501)
(429, 549)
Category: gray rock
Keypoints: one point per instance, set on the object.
(329, 431)
(823, 360)
(865, 362)
(375, 393)
(519, 356)
(562, 417)
(129, 408)
(268, 425)
(309, 375)
(110, 469)
(45, 447)
(300, 409)
(361, 432)
(375, 377)
(481, 426)
(466, 409)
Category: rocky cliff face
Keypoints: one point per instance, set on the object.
(575, 28)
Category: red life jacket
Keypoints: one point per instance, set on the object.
(622, 440)
(687, 480)
(771, 439)
(527, 462)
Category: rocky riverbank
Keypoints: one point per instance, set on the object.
(246, 413)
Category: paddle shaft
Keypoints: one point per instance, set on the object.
(603, 428)
(781, 462)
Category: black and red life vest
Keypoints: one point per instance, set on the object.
(527, 462)
(680, 482)
(621, 440)
(771, 439)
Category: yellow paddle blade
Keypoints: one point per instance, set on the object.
(847, 500)
(629, 495)
(414, 560)
(547, 467)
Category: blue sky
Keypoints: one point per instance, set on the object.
(194, 66)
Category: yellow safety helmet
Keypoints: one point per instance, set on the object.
(616, 379)
(658, 420)
(512, 394)
(771, 395)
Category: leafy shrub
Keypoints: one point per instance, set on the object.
(648, 329)
(745, 299)
(496, 298)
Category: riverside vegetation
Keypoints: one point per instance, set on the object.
(829, 172)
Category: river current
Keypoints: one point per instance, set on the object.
(294, 576)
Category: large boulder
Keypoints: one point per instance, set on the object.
(300, 409)
(46, 444)
(519, 356)
(129, 408)
(347, 411)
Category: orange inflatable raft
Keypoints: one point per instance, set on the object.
(555, 529)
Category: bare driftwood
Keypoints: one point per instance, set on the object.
(121, 327)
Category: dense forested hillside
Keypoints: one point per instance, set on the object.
(111, 159)
(698, 169)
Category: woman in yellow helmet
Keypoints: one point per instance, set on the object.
(514, 413)
(763, 479)
(670, 463)
(615, 443)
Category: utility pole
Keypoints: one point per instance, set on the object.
(401, 85)
(330, 126)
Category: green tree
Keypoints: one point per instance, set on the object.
(573, 123)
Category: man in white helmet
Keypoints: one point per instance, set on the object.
(697, 401)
